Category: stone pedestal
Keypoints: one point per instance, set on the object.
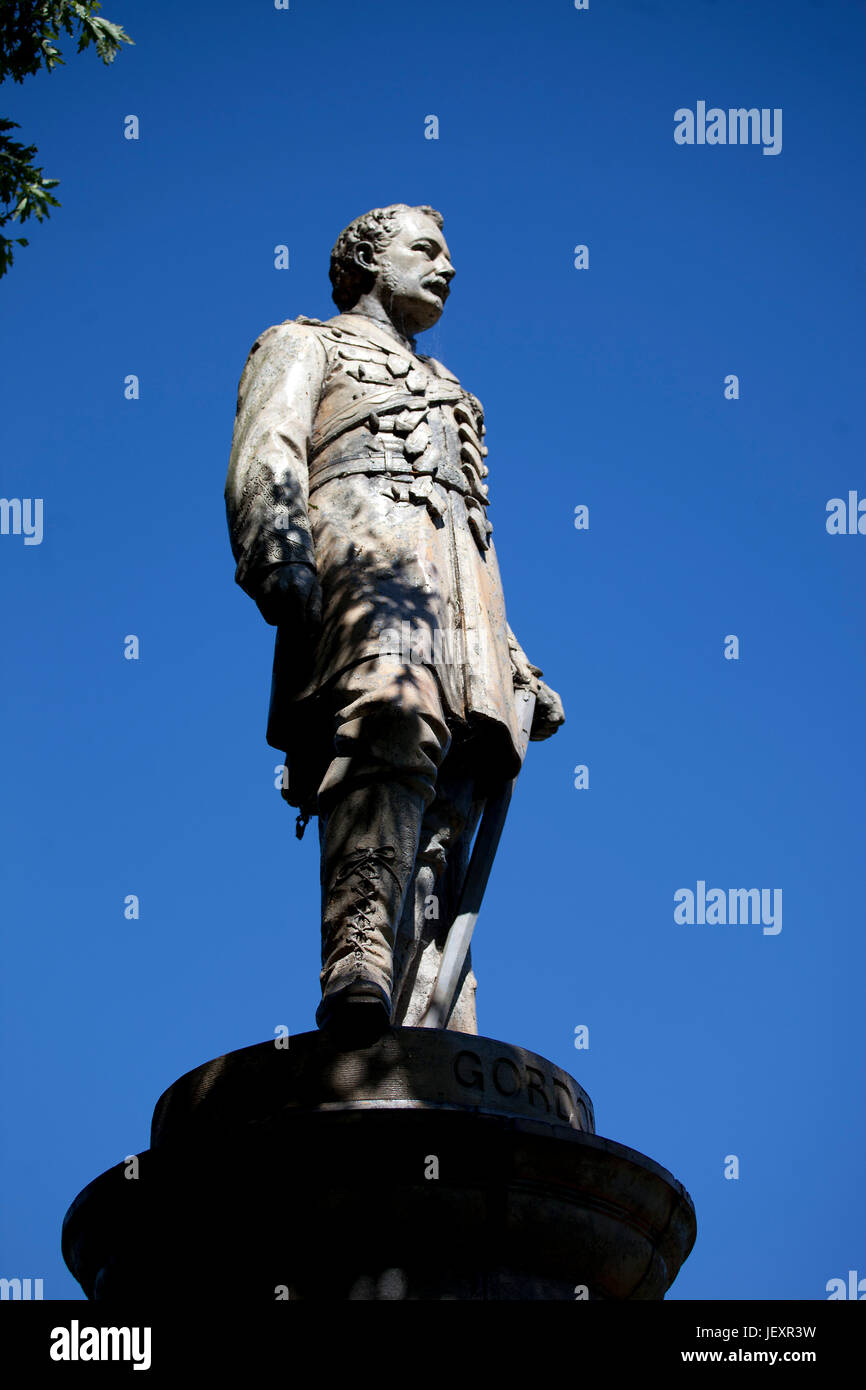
(430, 1165)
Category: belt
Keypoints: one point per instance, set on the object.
(397, 468)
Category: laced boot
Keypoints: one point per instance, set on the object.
(364, 888)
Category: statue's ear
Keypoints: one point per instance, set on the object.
(364, 255)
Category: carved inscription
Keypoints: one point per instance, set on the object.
(506, 1078)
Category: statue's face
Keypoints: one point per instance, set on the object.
(413, 273)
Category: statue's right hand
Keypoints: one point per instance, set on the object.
(290, 598)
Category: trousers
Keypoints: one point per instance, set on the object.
(390, 731)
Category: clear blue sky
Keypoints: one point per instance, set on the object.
(604, 387)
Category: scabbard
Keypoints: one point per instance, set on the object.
(444, 993)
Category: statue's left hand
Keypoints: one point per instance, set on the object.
(549, 714)
(290, 598)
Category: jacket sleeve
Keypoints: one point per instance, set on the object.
(267, 485)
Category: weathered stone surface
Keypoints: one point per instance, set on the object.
(408, 1068)
(356, 511)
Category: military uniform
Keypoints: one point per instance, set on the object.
(363, 460)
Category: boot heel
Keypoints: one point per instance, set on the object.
(360, 1011)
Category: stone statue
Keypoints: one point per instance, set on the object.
(357, 509)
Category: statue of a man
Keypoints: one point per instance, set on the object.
(357, 508)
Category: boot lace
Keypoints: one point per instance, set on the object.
(367, 865)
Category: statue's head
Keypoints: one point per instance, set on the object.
(398, 256)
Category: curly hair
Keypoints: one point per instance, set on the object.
(377, 227)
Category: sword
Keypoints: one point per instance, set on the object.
(444, 992)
